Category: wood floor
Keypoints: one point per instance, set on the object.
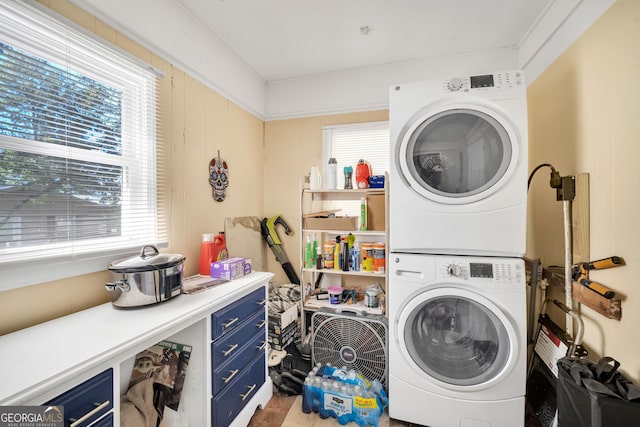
(286, 411)
(282, 407)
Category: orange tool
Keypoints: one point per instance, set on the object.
(580, 273)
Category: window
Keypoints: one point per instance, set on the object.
(350, 143)
(78, 134)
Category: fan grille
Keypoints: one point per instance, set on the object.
(359, 343)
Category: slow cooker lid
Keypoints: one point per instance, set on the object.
(149, 259)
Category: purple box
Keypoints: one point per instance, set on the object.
(230, 268)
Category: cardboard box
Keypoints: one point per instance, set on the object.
(348, 223)
(230, 268)
(277, 322)
(376, 212)
(278, 341)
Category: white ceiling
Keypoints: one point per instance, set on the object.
(282, 39)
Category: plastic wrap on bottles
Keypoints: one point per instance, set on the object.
(345, 395)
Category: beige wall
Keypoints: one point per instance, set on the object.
(292, 147)
(197, 123)
(584, 117)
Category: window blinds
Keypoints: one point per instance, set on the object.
(79, 168)
(350, 143)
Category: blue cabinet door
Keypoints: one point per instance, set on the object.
(87, 401)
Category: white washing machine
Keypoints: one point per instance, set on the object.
(457, 340)
(458, 175)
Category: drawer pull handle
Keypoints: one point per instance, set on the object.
(98, 407)
(244, 396)
(230, 322)
(231, 348)
(262, 302)
(233, 374)
(262, 346)
(261, 324)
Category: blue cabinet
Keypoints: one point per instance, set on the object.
(230, 317)
(87, 402)
(228, 403)
(238, 356)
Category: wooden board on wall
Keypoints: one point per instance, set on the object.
(580, 219)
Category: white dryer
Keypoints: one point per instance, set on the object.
(457, 340)
(458, 175)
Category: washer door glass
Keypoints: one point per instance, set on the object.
(457, 340)
(458, 153)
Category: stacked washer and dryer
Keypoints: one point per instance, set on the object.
(457, 234)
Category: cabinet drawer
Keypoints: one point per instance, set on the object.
(231, 344)
(232, 400)
(225, 374)
(88, 401)
(225, 320)
(105, 422)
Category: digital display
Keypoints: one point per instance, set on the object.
(481, 270)
(482, 81)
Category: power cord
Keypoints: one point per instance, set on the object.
(565, 185)
(555, 180)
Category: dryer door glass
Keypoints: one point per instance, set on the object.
(458, 153)
(457, 340)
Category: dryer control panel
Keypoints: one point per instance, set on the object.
(495, 82)
(498, 270)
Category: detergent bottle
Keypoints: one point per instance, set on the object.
(363, 172)
(212, 249)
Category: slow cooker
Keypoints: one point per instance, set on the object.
(146, 279)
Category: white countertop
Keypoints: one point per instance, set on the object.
(38, 358)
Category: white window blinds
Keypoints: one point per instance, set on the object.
(78, 135)
(350, 143)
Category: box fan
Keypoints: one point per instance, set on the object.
(357, 341)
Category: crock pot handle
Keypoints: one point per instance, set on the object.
(143, 255)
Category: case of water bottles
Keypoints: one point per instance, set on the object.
(343, 394)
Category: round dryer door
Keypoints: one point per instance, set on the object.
(458, 338)
(458, 153)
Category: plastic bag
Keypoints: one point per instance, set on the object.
(595, 394)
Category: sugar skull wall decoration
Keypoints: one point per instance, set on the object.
(219, 178)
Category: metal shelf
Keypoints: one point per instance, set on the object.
(346, 273)
(313, 304)
(380, 233)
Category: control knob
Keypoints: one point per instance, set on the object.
(455, 84)
(454, 270)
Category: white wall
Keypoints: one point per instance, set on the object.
(367, 89)
(166, 29)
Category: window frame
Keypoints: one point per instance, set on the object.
(26, 266)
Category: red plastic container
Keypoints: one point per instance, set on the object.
(212, 249)
(363, 172)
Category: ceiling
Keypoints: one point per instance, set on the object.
(283, 39)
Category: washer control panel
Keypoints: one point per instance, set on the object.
(482, 269)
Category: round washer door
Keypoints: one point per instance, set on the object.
(458, 338)
(458, 151)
